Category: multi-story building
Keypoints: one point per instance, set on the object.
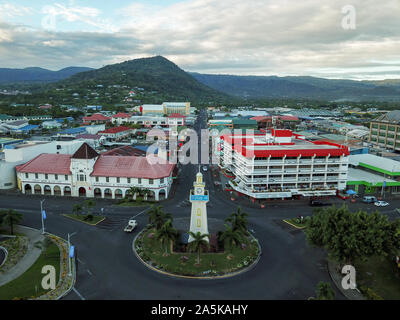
(117, 133)
(89, 174)
(166, 108)
(385, 131)
(281, 164)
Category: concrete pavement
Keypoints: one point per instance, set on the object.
(30, 257)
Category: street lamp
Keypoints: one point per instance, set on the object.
(42, 214)
(69, 250)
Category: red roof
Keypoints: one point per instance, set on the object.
(96, 117)
(176, 115)
(132, 167)
(121, 115)
(281, 133)
(47, 163)
(116, 130)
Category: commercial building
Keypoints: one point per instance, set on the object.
(373, 175)
(385, 131)
(280, 164)
(166, 108)
(96, 118)
(117, 133)
(89, 174)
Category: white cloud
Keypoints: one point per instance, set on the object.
(282, 37)
(8, 10)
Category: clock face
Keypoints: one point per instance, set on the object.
(199, 190)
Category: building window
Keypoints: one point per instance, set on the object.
(46, 176)
(107, 179)
(129, 180)
(66, 178)
(97, 179)
(162, 180)
(151, 181)
(26, 175)
(36, 176)
(56, 176)
(81, 177)
(139, 180)
(118, 180)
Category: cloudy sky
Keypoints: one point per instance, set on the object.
(324, 38)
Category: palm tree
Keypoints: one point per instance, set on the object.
(77, 209)
(166, 234)
(238, 221)
(157, 217)
(89, 204)
(232, 237)
(198, 243)
(145, 193)
(11, 217)
(133, 191)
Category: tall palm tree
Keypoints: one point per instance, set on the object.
(157, 217)
(89, 204)
(198, 243)
(166, 234)
(232, 237)
(145, 193)
(238, 221)
(11, 217)
(77, 209)
(133, 191)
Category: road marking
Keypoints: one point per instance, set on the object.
(79, 260)
(78, 294)
(88, 271)
(139, 213)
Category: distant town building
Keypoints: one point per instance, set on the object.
(385, 131)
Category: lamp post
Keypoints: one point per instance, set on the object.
(41, 213)
(69, 251)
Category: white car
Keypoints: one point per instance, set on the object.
(381, 203)
(205, 168)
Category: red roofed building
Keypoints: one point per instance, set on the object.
(281, 165)
(120, 118)
(89, 174)
(281, 122)
(176, 119)
(96, 118)
(117, 133)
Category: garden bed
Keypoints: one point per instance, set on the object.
(84, 218)
(16, 248)
(185, 264)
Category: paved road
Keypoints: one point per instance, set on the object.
(107, 268)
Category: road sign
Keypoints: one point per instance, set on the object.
(44, 215)
(71, 251)
(199, 198)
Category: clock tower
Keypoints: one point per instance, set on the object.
(199, 198)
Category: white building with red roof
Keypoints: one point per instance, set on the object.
(117, 133)
(280, 164)
(176, 119)
(96, 118)
(89, 174)
(120, 118)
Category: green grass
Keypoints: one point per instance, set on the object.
(133, 204)
(381, 275)
(210, 263)
(26, 285)
(79, 217)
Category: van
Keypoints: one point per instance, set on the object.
(369, 199)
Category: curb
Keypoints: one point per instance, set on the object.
(6, 255)
(93, 225)
(335, 277)
(229, 275)
(300, 228)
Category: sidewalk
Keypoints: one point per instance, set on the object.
(28, 260)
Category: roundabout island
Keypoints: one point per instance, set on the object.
(197, 248)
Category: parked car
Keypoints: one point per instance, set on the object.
(381, 203)
(316, 203)
(369, 199)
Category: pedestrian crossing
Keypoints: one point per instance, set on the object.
(111, 223)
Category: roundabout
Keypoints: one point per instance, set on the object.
(213, 262)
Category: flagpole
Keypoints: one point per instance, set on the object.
(41, 213)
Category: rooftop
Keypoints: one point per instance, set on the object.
(47, 163)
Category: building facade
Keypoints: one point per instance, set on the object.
(282, 165)
(88, 174)
(385, 131)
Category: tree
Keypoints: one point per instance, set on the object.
(89, 204)
(325, 291)
(133, 191)
(232, 237)
(157, 217)
(238, 221)
(166, 234)
(146, 193)
(349, 236)
(10, 217)
(77, 209)
(198, 243)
